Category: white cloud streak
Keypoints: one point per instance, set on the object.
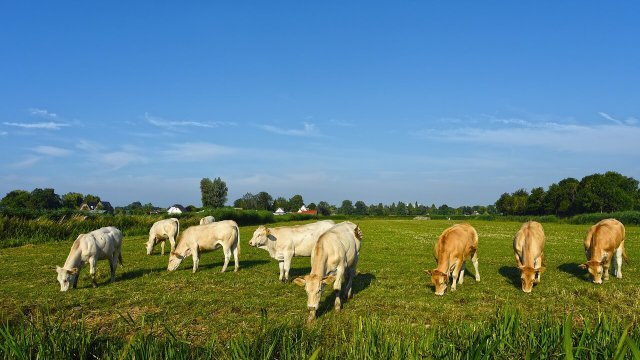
(197, 151)
(42, 113)
(51, 151)
(168, 124)
(28, 161)
(308, 130)
(41, 125)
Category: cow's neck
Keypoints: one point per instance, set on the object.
(443, 263)
(74, 260)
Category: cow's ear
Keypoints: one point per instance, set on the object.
(267, 231)
(521, 267)
(541, 269)
(58, 268)
(73, 271)
(582, 266)
(300, 281)
(328, 280)
(429, 272)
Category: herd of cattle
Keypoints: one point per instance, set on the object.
(334, 250)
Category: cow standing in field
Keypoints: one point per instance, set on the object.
(207, 220)
(604, 240)
(454, 246)
(104, 243)
(528, 246)
(283, 243)
(200, 238)
(333, 260)
(160, 232)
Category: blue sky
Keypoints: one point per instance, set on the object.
(428, 101)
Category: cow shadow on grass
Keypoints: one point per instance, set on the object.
(244, 264)
(574, 269)
(360, 282)
(295, 272)
(512, 274)
(134, 274)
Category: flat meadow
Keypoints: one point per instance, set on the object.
(391, 288)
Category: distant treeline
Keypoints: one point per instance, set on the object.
(597, 193)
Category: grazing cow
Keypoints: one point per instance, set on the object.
(603, 240)
(207, 220)
(333, 260)
(528, 246)
(283, 243)
(200, 238)
(104, 243)
(161, 231)
(454, 246)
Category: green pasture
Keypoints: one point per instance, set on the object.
(391, 286)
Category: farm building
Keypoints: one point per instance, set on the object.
(279, 211)
(176, 209)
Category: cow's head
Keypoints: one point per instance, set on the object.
(260, 236)
(439, 280)
(314, 286)
(595, 269)
(66, 277)
(528, 276)
(175, 258)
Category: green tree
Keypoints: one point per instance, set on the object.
(360, 208)
(72, 200)
(324, 208)
(214, 193)
(535, 202)
(16, 199)
(312, 206)
(264, 201)
(45, 199)
(401, 208)
(281, 202)
(295, 203)
(346, 208)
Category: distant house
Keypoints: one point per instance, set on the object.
(304, 210)
(99, 207)
(176, 209)
(279, 211)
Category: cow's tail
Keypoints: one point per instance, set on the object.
(624, 255)
(177, 232)
(358, 233)
(120, 259)
(238, 239)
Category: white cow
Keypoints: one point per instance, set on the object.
(283, 243)
(333, 260)
(161, 231)
(207, 220)
(104, 243)
(200, 238)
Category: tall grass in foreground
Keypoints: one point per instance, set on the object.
(508, 335)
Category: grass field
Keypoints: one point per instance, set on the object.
(391, 287)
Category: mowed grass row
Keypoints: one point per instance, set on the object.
(391, 286)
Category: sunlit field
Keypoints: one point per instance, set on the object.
(391, 286)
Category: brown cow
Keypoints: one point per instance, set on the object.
(528, 246)
(602, 240)
(453, 248)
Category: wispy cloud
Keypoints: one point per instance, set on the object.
(41, 125)
(614, 138)
(627, 121)
(42, 113)
(309, 129)
(197, 151)
(2, 133)
(118, 159)
(168, 124)
(28, 161)
(51, 151)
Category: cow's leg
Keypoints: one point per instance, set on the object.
(619, 251)
(235, 257)
(455, 274)
(172, 241)
(461, 277)
(281, 265)
(196, 258)
(75, 278)
(605, 268)
(337, 288)
(474, 260)
(92, 270)
(113, 264)
(518, 262)
(162, 246)
(537, 263)
(347, 290)
(227, 257)
(287, 265)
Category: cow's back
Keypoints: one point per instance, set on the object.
(206, 236)
(606, 234)
(301, 238)
(336, 245)
(529, 239)
(456, 241)
(101, 243)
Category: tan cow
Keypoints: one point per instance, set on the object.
(454, 246)
(160, 232)
(104, 243)
(333, 260)
(207, 220)
(604, 240)
(528, 247)
(200, 238)
(285, 242)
